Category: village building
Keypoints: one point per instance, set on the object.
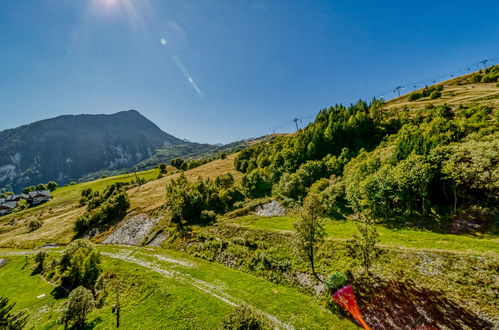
(8, 204)
(37, 197)
(7, 207)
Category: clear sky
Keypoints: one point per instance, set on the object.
(218, 71)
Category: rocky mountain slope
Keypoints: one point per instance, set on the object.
(66, 148)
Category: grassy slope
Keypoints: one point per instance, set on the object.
(153, 299)
(454, 94)
(59, 214)
(399, 238)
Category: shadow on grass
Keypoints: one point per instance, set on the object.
(403, 305)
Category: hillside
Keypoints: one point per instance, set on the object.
(417, 178)
(67, 148)
(60, 213)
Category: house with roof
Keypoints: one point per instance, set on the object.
(7, 207)
(16, 198)
(38, 197)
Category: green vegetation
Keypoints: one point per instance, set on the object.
(199, 201)
(309, 230)
(388, 237)
(199, 296)
(434, 92)
(246, 318)
(103, 209)
(76, 309)
(488, 75)
(8, 319)
(412, 170)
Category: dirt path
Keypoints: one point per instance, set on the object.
(133, 256)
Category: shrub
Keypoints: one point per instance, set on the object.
(208, 216)
(80, 265)
(223, 155)
(246, 318)
(476, 78)
(415, 96)
(28, 189)
(52, 185)
(435, 95)
(162, 168)
(76, 309)
(335, 281)
(21, 205)
(34, 224)
(256, 183)
(41, 187)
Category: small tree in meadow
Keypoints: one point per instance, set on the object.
(52, 185)
(363, 246)
(79, 304)
(309, 230)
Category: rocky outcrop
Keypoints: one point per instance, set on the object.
(270, 209)
(132, 231)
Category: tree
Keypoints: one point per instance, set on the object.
(41, 187)
(177, 163)
(91, 269)
(162, 168)
(8, 319)
(79, 304)
(363, 246)
(28, 189)
(52, 185)
(309, 230)
(80, 264)
(40, 262)
(223, 155)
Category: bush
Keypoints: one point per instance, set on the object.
(80, 265)
(476, 78)
(162, 168)
(335, 281)
(52, 185)
(415, 96)
(28, 189)
(256, 183)
(41, 187)
(34, 224)
(435, 95)
(102, 209)
(21, 205)
(76, 309)
(208, 216)
(246, 318)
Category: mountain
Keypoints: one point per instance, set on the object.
(68, 147)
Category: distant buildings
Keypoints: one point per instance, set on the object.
(8, 204)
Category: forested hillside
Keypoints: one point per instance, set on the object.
(400, 165)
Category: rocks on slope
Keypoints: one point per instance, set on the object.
(132, 231)
(270, 209)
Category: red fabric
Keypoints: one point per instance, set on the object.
(345, 297)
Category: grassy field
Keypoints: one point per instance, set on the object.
(399, 238)
(165, 289)
(59, 214)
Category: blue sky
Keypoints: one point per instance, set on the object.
(218, 71)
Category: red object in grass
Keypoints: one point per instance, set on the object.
(345, 297)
